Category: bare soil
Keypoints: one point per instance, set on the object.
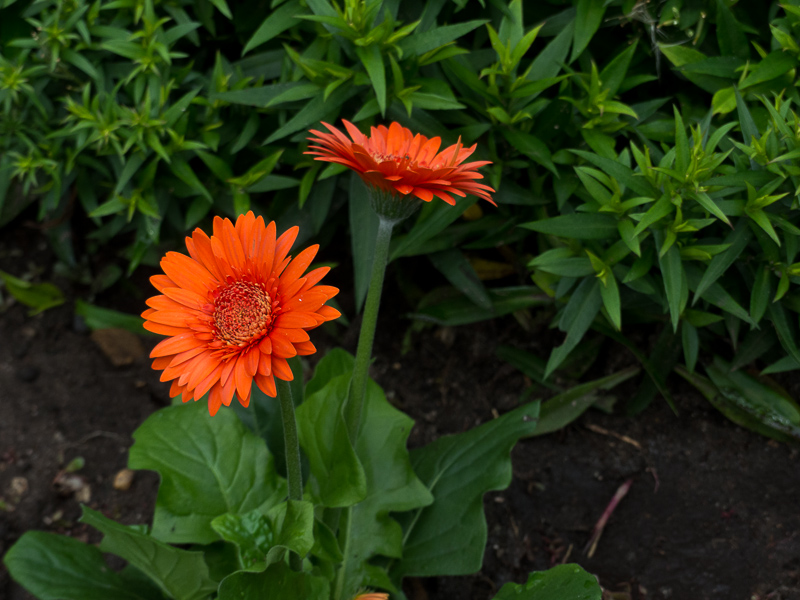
(712, 512)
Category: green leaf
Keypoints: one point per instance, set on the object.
(691, 344)
(462, 310)
(293, 522)
(449, 536)
(753, 404)
(682, 156)
(184, 172)
(424, 41)
(530, 146)
(38, 296)
(738, 240)
(372, 60)
(251, 533)
(576, 319)
(432, 220)
(581, 226)
(392, 487)
(105, 318)
(611, 301)
(260, 97)
(338, 476)
(773, 65)
(561, 410)
(180, 574)
(562, 582)
(209, 466)
(314, 111)
(548, 62)
(620, 172)
(278, 21)
(587, 22)
(674, 283)
(786, 331)
(277, 582)
(730, 37)
(458, 270)
(746, 123)
(613, 74)
(363, 234)
(761, 293)
(57, 567)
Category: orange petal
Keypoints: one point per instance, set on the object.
(284, 244)
(294, 320)
(265, 345)
(299, 264)
(266, 254)
(187, 273)
(214, 402)
(161, 281)
(233, 246)
(175, 345)
(265, 364)
(251, 361)
(243, 381)
(281, 369)
(267, 385)
(281, 346)
(163, 329)
(329, 313)
(305, 348)
(186, 297)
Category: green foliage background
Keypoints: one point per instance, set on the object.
(644, 153)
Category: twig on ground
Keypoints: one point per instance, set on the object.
(591, 545)
(619, 436)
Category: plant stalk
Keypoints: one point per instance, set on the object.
(358, 384)
(294, 474)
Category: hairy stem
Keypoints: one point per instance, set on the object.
(358, 385)
(294, 474)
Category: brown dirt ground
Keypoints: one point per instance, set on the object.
(712, 512)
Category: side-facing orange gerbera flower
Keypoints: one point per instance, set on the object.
(235, 309)
(395, 160)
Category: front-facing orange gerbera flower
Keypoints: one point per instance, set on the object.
(235, 310)
(395, 160)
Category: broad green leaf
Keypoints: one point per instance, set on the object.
(530, 146)
(293, 524)
(278, 21)
(57, 567)
(587, 22)
(209, 466)
(461, 310)
(180, 574)
(363, 234)
(335, 363)
(458, 270)
(576, 319)
(392, 487)
(562, 582)
(449, 536)
(277, 582)
(561, 410)
(581, 226)
(338, 476)
(252, 534)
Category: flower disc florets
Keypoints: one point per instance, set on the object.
(235, 309)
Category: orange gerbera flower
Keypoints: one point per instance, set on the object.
(235, 310)
(395, 160)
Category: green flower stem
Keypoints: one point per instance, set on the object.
(358, 385)
(294, 474)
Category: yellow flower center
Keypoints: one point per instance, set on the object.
(242, 311)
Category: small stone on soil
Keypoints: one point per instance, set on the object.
(123, 479)
(120, 346)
